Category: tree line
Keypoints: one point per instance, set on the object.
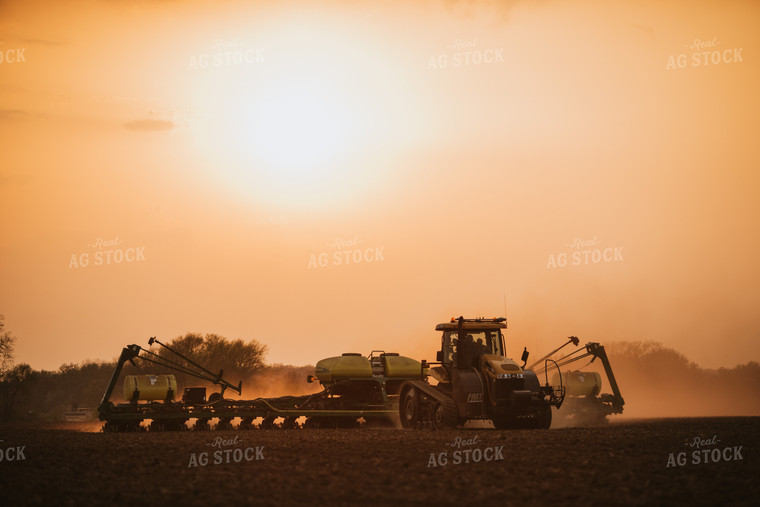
(656, 380)
(31, 395)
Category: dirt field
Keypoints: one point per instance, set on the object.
(623, 463)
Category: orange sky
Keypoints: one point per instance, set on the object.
(323, 127)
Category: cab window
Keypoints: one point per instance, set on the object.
(485, 342)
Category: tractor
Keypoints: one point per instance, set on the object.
(477, 381)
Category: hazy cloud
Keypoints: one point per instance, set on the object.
(7, 180)
(646, 29)
(44, 42)
(12, 114)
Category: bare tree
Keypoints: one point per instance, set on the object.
(10, 385)
(12, 378)
(239, 359)
(7, 343)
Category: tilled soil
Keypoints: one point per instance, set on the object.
(623, 463)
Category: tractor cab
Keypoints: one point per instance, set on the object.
(473, 347)
(466, 341)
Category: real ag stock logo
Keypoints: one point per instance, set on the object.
(227, 451)
(105, 253)
(465, 453)
(585, 252)
(12, 453)
(11, 55)
(345, 252)
(704, 451)
(227, 53)
(704, 53)
(467, 52)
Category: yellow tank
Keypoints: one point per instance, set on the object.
(402, 367)
(580, 383)
(149, 387)
(343, 367)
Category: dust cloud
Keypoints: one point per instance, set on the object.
(657, 381)
(280, 380)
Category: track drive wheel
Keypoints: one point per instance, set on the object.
(439, 417)
(543, 419)
(443, 414)
(410, 408)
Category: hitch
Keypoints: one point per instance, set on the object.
(557, 394)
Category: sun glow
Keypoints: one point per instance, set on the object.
(300, 129)
(304, 128)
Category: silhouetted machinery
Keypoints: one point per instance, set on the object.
(584, 404)
(355, 388)
(476, 380)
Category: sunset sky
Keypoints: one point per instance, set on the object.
(228, 154)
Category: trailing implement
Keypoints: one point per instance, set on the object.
(354, 388)
(585, 404)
